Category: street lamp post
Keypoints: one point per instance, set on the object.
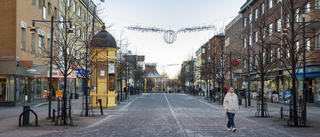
(230, 71)
(248, 60)
(33, 30)
(304, 114)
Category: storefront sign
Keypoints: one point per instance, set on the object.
(287, 97)
(58, 74)
(59, 93)
(82, 72)
(24, 64)
(313, 69)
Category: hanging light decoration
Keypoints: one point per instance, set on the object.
(169, 36)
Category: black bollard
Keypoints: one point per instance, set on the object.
(281, 112)
(99, 100)
(26, 115)
(53, 115)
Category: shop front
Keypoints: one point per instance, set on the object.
(313, 83)
(58, 83)
(17, 84)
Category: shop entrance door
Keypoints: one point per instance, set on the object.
(3, 87)
(310, 91)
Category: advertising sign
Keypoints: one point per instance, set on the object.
(287, 97)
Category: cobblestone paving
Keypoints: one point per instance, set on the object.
(183, 115)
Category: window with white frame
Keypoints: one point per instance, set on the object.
(250, 17)
(262, 8)
(278, 53)
(44, 12)
(69, 3)
(203, 50)
(61, 24)
(80, 10)
(288, 51)
(23, 38)
(270, 4)
(256, 60)
(244, 22)
(32, 42)
(296, 15)
(271, 55)
(40, 4)
(307, 7)
(55, 12)
(256, 36)
(250, 40)
(84, 15)
(317, 45)
(308, 44)
(270, 29)
(244, 42)
(297, 46)
(245, 64)
(256, 13)
(49, 8)
(317, 4)
(40, 46)
(287, 21)
(203, 61)
(209, 59)
(209, 46)
(74, 6)
(279, 26)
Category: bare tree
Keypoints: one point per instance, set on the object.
(122, 65)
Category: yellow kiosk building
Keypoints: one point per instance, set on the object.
(103, 50)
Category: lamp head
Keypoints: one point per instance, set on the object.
(33, 30)
(70, 31)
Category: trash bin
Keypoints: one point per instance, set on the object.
(26, 115)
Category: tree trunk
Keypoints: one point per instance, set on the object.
(262, 95)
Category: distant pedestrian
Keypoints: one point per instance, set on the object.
(131, 90)
(219, 89)
(230, 104)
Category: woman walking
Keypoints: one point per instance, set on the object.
(230, 104)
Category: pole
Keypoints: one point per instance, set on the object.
(304, 72)
(248, 90)
(230, 71)
(50, 82)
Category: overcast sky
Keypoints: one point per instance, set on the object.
(168, 15)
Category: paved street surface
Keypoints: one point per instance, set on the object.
(166, 115)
